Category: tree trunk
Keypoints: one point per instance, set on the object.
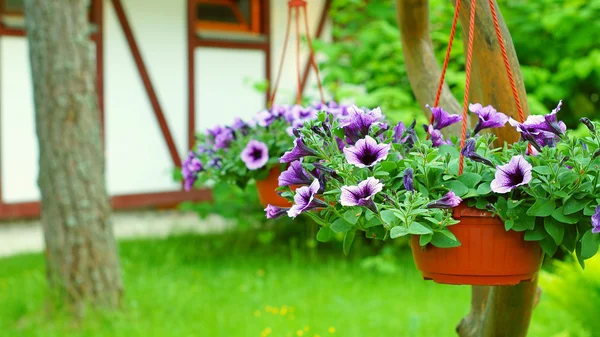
(81, 252)
(495, 311)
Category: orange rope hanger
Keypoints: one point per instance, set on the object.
(468, 69)
(295, 6)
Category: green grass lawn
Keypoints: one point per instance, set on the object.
(196, 286)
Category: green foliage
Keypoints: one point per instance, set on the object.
(555, 41)
(575, 293)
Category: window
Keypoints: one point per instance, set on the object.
(239, 16)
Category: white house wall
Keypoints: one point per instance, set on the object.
(138, 159)
(19, 161)
(224, 89)
(137, 156)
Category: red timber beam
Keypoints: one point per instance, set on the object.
(141, 67)
(319, 32)
(118, 202)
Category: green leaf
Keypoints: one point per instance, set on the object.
(372, 223)
(513, 203)
(324, 234)
(567, 178)
(398, 231)
(589, 244)
(559, 215)
(388, 217)
(352, 216)
(442, 240)
(484, 188)
(425, 239)
(545, 170)
(548, 246)
(387, 166)
(457, 187)
(469, 179)
(508, 224)
(542, 207)
(555, 229)
(573, 205)
(377, 232)
(341, 226)
(348, 239)
(419, 229)
(535, 235)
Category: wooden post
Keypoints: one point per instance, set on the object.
(495, 311)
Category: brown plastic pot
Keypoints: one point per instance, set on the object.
(488, 254)
(266, 190)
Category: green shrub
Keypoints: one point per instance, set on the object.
(555, 41)
(575, 292)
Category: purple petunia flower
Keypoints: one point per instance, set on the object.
(255, 155)
(215, 163)
(238, 124)
(362, 194)
(470, 152)
(295, 175)
(224, 139)
(436, 136)
(305, 200)
(596, 220)
(274, 212)
(214, 131)
(512, 175)
(449, 200)
(442, 119)
(488, 117)
(408, 180)
(189, 169)
(359, 122)
(299, 151)
(545, 129)
(265, 118)
(366, 152)
(302, 113)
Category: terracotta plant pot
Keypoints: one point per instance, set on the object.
(266, 190)
(488, 254)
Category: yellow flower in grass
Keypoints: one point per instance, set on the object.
(306, 328)
(257, 313)
(331, 330)
(268, 308)
(299, 333)
(275, 311)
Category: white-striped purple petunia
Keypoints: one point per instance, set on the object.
(487, 117)
(255, 155)
(295, 175)
(449, 200)
(305, 199)
(442, 119)
(359, 122)
(512, 175)
(366, 152)
(596, 220)
(299, 151)
(362, 194)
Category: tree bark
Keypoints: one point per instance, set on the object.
(495, 311)
(81, 253)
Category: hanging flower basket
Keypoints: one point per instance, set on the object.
(267, 193)
(488, 254)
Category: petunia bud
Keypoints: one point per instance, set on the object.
(296, 132)
(587, 122)
(596, 154)
(409, 183)
(564, 160)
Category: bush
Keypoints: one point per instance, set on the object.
(365, 59)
